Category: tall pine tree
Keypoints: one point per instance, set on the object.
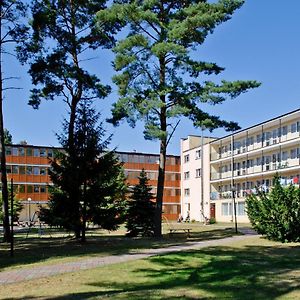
(160, 78)
(141, 209)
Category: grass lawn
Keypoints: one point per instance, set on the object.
(253, 268)
(44, 250)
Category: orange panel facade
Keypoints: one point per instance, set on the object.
(28, 166)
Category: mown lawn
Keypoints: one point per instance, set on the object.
(42, 250)
(253, 268)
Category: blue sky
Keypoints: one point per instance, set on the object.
(261, 42)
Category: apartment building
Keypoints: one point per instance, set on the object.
(241, 162)
(195, 176)
(249, 159)
(28, 166)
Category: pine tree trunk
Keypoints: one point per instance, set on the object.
(6, 228)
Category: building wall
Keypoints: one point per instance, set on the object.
(192, 173)
(28, 166)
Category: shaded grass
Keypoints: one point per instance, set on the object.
(253, 268)
(61, 248)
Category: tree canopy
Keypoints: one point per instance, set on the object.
(160, 76)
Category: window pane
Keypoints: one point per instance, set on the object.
(29, 152)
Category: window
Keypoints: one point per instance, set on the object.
(226, 209)
(8, 150)
(43, 171)
(186, 158)
(36, 189)
(43, 189)
(284, 155)
(258, 138)
(293, 153)
(42, 152)
(21, 152)
(36, 171)
(50, 153)
(21, 188)
(21, 170)
(241, 209)
(198, 173)
(15, 151)
(186, 175)
(186, 192)
(15, 169)
(8, 169)
(29, 152)
(294, 127)
(29, 188)
(284, 130)
(36, 152)
(198, 154)
(28, 170)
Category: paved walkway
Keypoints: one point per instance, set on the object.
(14, 276)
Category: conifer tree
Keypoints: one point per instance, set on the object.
(160, 76)
(141, 209)
(93, 173)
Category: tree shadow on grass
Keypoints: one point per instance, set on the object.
(252, 272)
(35, 250)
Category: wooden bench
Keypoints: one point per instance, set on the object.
(184, 230)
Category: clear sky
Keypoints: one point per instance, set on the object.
(261, 42)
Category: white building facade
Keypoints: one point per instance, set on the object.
(241, 162)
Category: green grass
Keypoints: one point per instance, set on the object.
(253, 268)
(60, 247)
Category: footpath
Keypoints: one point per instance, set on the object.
(24, 274)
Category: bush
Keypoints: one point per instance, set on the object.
(212, 220)
(276, 214)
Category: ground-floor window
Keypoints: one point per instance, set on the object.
(241, 209)
(226, 209)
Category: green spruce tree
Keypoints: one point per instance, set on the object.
(90, 171)
(160, 76)
(141, 209)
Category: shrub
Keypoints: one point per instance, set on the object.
(276, 214)
(212, 220)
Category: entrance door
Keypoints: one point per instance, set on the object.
(213, 210)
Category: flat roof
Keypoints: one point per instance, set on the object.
(259, 124)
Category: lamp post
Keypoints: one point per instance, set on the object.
(29, 202)
(233, 189)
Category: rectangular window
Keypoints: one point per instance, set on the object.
(43, 171)
(294, 127)
(21, 188)
(36, 189)
(198, 173)
(36, 152)
(29, 188)
(258, 138)
(186, 175)
(36, 171)
(29, 170)
(8, 169)
(29, 152)
(187, 192)
(198, 154)
(241, 209)
(15, 169)
(43, 153)
(284, 155)
(21, 170)
(293, 153)
(8, 150)
(21, 152)
(226, 209)
(50, 153)
(186, 158)
(15, 151)
(43, 189)
(284, 130)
